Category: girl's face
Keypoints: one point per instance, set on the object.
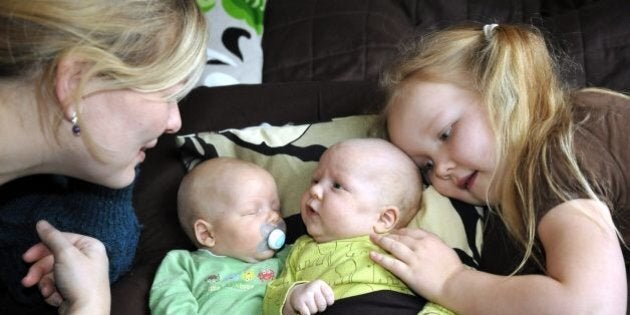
(123, 124)
(447, 133)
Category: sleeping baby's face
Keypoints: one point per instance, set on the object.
(250, 211)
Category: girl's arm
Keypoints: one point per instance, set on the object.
(585, 268)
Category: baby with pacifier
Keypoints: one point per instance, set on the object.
(230, 209)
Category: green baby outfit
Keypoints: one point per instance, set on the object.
(201, 282)
(345, 265)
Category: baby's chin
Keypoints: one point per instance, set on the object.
(260, 256)
(325, 237)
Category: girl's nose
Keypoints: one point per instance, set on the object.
(443, 168)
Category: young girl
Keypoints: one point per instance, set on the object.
(501, 129)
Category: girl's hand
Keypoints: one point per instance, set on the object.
(309, 298)
(419, 258)
(71, 270)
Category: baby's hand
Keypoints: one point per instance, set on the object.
(309, 298)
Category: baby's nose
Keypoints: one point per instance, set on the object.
(316, 192)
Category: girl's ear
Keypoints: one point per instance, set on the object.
(67, 79)
(387, 220)
(204, 233)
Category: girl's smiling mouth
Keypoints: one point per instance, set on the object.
(467, 182)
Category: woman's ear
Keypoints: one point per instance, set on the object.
(204, 233)
(67, 79)
(387, 220)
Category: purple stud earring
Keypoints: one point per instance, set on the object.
(75, 124)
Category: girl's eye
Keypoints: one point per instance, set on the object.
(337, 186)
(425, 170)
(445, 134)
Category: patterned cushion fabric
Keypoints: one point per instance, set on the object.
(235, 29)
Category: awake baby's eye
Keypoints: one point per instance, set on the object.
(337, 186)
(446, 134)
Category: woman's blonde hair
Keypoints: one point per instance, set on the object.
(517, 78)
(142, 45)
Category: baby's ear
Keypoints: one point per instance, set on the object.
(204, 234)
(387, 220)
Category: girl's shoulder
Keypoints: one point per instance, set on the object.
(601, 100)
(601, 118)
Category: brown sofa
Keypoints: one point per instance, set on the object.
(321, 60)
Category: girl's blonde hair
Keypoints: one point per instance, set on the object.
(142, 45)
(517, 78)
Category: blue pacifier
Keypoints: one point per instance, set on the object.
(276, 239)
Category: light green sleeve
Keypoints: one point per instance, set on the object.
(277, 290)
(171, 291)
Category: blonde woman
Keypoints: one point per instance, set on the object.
(85, 88)
(501, 129)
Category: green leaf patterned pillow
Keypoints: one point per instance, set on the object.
(235, 29)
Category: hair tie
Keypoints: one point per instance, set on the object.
(488, 30)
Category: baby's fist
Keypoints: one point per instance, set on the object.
(310, 298)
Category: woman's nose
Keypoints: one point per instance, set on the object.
(174, 122)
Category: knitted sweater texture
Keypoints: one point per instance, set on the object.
(70, 205)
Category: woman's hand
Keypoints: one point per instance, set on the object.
(71, 271)
(419, 258)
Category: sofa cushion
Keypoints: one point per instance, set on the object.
(331, 40)
(234, 51)
(290, 152)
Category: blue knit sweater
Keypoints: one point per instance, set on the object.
(70, 205)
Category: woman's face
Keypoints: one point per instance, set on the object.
(447, 133)
(123, 124)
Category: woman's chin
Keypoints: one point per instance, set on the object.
(120, 180)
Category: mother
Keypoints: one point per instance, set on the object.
(85, 88)
(501, 129)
